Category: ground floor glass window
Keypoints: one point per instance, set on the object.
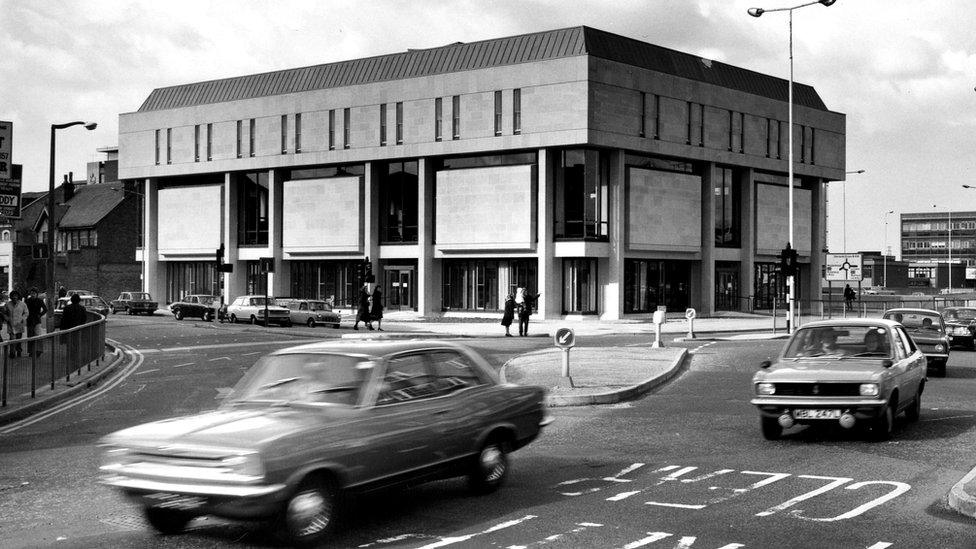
(650, 282)
(190, 277)
(479, 284)
(335, 280)
(579, 286)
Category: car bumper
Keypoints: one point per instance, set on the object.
(240, 502)
(863, 409)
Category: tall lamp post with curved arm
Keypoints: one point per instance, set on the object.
(757, 12)
(49, 279)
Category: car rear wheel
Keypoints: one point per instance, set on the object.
(167, 521)
(771, 429)
(884, 424)
(490, 468)
(179, 314)
(233, 319)
(336, 326)
(207, 316)
(308, 516)
(254, 319)
(311, 323)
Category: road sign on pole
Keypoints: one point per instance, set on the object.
(843, 267)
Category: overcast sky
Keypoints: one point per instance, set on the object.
(902, 71)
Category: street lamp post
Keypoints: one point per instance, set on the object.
(49, 279)
(844, 206)
(757, 12)
(949, 264)
(885, 250)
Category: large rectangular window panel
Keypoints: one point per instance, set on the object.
(579, 286)
(725, 196)
(328, 280)
(190, 277)
(256, 281)
(398, 202)
(253, 209)
(650, 282)
(483, 284)
(582, 195)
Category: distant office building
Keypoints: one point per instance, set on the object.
(928, 243)
(611, 175)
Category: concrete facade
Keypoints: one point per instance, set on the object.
(599, 193)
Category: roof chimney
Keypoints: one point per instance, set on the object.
(69, 187)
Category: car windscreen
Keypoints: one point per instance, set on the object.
(143, 296)
(959, 314)
(919, 323)
(260, 301)
(840, 342)
(319, 306)
(314, 378)
(206, 299)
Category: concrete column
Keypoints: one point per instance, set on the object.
(429, 271)
(706, 287)
(817, 239)
(549, 267)
(371, 220)
(153, 273)
(235, 283)
(747, 232)
(613, 286)
(279, 282)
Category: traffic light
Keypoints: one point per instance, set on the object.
(793, 262)
(220, 254)
(366, 271)
(788, 261)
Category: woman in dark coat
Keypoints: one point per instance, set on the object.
(508, 314)
(362, 314)
(376, 310)
(525, 310)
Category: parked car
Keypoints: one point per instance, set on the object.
(844, 372)
(311, 312)
(196, 305)
(250, 308)
(92, 303)
(929, 332)
(134, 303)
(308, 424)
(961, 325)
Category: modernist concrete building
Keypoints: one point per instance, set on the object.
(611, 175)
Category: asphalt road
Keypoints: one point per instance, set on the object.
(684, 467)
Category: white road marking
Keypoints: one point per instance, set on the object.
(836, 481)
(450, 541)
(881, 545)
(651, 538)
(900, 488)
(146, 371)
(184, 364)
(614, 478)
(219, 358)
(225, 346)
(676, 505)
(623, 495)
(251, 354)
(945, 418)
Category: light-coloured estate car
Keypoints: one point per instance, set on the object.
(846, 372)
(308, 424)
(250, 308)
(311, 312)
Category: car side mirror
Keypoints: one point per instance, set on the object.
(887, 363)
(765, 364)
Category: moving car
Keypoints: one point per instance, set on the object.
(311, 312)
(134, 303)
(961, 325)
(196, 305)
(92, 303)
(308, 424)
(929, 333)
(843, 372)
(250, 308)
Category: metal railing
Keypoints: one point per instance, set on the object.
(34, 365)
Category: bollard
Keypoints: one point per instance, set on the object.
(690, 314)
(565, 339)
(659, 319)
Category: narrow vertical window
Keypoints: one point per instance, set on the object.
(456, 117)
(779, 138)
(742, 132)
(643, 114)
(298, 133)
(331, 129)
(209, 142)
(399, 123)
(690, 125)
(284, 133)
(732, 132)
(803, 144)
(438, 119)
(813, 146)
(701, 125)
(250, 137)
(169, 145)
(345, 128)
(498, 113)
(657, 116)
(196, 143)
(240, 138)
(383, 124)
(517, 111)
(769, 138)
(157, 147)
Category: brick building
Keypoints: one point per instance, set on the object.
(609, 174)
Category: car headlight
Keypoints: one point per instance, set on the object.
(114, 457)
(939, 348)
(869, 389)
(249, 465)
(765, 389)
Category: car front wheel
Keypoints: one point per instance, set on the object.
(490, 468)
(884, 424)
(308, 516)
(311, 323)
(179, 314)
(233, 319)
(167, 521)
(771, 429)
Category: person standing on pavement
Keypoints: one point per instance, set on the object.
(524, 309)
(73, 315)
(16, 313)
(36, 309)
(508, 314)
(362, 314)
(376, 309)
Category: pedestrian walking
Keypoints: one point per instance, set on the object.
(72, 316)
(508, 314)
(362, 314)
(376, 309)
(849, 296)
(36, 309)
(524, 302)
(16, 315)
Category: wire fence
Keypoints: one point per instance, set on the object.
(32, 366)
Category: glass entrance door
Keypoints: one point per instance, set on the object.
(399, 288)
(726, 286)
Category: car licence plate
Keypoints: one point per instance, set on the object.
(816, 414)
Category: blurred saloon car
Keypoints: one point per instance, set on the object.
(842, 372)
(134, 303)
(310, 312)
(196, 306)
(250, 308)
(961, 324)
(929, 333)
(91, 303)
(308, 424)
